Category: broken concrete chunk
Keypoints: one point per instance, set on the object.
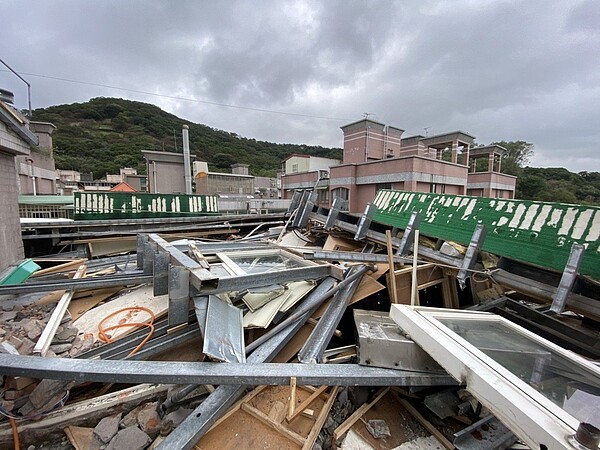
(8, 316)
(61, 348)
(178, 416)
(64, 335)
(107, 428)
(131, 438)
(26, 347)
(47, 394)
(149, 420)
(33, 328)
(130, 418)
(378, 428)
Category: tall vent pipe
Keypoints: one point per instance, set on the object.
(186, 161)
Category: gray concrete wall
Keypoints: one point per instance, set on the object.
(11, 244)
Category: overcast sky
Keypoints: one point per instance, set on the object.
(500, 70)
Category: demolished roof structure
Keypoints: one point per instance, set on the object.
(284, 338)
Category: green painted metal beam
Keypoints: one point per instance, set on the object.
(539, 233)
(126, 205)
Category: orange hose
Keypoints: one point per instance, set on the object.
(105, 338)
(17, 442)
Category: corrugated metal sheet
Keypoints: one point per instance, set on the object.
(539, 233)
(123, 205)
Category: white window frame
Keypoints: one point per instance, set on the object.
(237, 270)
(534, 418)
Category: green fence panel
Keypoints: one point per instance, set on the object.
(125, 205)
(539, 233)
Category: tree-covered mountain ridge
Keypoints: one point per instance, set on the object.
(106, 134)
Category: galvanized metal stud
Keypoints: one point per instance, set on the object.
(568, 279)
(179, 295)
(365, 222)
(407, 239)
(307, 210)
(161, 273)
(471, 255)
(337, 205)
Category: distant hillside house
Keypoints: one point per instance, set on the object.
(377, 157)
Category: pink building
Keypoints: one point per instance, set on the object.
(377, 157)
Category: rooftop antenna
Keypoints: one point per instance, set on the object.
(426, 131)
(367, 114)
(24, 81)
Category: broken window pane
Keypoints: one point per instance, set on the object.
(571, 386)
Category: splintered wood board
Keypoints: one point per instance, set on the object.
(88, 323)
(368, 286)
(251, 424)
(79, 306)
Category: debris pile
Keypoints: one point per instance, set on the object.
(300, 337)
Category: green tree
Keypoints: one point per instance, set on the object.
(516, 157)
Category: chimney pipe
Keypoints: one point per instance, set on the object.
(186, 161)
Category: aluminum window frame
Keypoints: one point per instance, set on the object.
(530, 415)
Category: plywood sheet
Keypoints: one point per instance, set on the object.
(88, 323)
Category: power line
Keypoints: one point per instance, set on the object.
(187, 99)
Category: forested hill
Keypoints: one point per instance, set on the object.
(105, 134)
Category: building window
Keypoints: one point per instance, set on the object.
(437, 188)
(294, 168)
(343, 193)
(323, 196)
(380, 186)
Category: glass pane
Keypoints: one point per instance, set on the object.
(265, 263)
(571, 386)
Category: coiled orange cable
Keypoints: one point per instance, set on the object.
(105, 338)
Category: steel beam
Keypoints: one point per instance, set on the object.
(318, 255)
(407, 239)
(179, 295)
(161, 273)
(365, 222)
(300, 208)
(237, 283)
(470, 258)
(337, 205)
(254, 374)
(559, 301)
(302, 218)
(313, 348)
(76, 285)
(295, 201)
(204, 416)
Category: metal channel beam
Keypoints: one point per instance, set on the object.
(559, 301)
(365, 222)
(204, 416)
(338, 204)
(236, 283)
(179, 295)
(295, 201)
(76, 285)
(380, 238)
(302, 218)
(313, 348)
(407, 239)
(300, 208)
(470, 258)
(316, 255)
(254, 374)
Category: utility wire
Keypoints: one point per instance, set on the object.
(187, 99)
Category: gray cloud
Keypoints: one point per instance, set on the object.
(501, 70)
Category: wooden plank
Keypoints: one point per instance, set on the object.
(80, 437)
(423, 421)
(69, 265)
(276, 426)
(344, 427)
(316, 429)
(302, 406)
(237, 406)
(390, 252)
(292, 403)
